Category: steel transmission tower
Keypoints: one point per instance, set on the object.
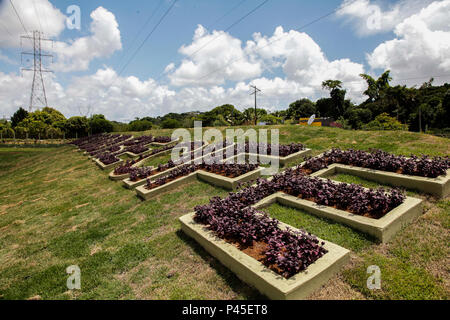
(38, 97)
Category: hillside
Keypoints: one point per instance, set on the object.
(58, 209)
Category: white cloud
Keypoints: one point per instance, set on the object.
(211, 52)
(304, 63)
(369, 17)
(51, 21)
(421, 47)
(104, 40)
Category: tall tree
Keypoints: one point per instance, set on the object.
(337, 95)
(18, 116)
(301, 109)
(376, 88)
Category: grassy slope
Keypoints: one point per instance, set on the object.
(57, 209)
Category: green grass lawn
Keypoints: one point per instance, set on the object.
(58, 209)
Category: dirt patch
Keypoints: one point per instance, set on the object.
(96, 248)
(82, 205)
(336, 289)
(5, 207)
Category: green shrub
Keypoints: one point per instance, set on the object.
(385, 122)
(170, 124)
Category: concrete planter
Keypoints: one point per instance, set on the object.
(107, 166)
(133, 184)
(146, 194)
(159, 144)
(117, 177)
(382, 229)
(212, 178)
(225, 182)
(439, 186)
(259, 276)
(284, 160)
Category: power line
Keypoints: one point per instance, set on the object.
(18, 16)
(46, 20)
(227, 13)
(140, 31)
(279, 38)
(6, 29)
(37, 15)
(228, 28)
(148, 36)
(231, 26)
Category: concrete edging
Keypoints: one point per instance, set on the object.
(228, 183)
(146, 194)
(284, 160)
(118, 177)
(382, 229)
(259, 276)
(107, 166)
(439, 186)
(212, 178)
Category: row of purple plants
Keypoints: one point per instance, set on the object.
(423, 166)
(267, 149)
(228, 170)
(127, 167)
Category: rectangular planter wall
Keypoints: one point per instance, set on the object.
(107, 166)
(284, 160)
(228, 183)
(439, 186)
(214, 179)
(259, 276)
(382, 229)
(146, 194)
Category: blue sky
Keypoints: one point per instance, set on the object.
(343, 42)
(335, 37)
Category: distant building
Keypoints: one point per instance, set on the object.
(318, 122)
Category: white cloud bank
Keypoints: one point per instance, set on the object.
(421, 47)
(76, 55)
(51, 20)
(103, 41)
(369, 17)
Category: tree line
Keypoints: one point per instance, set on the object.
(424, 108)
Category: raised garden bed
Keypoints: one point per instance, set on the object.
(107, 166)
(436, 180)
(284, 160)
(256, 274)
(215, 179)
(382, 229)
(146, 194)
(226, 182)
(286, 153)
(439, 186)
(162, 144)
(157, 173)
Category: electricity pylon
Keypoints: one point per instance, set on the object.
(38, 97)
